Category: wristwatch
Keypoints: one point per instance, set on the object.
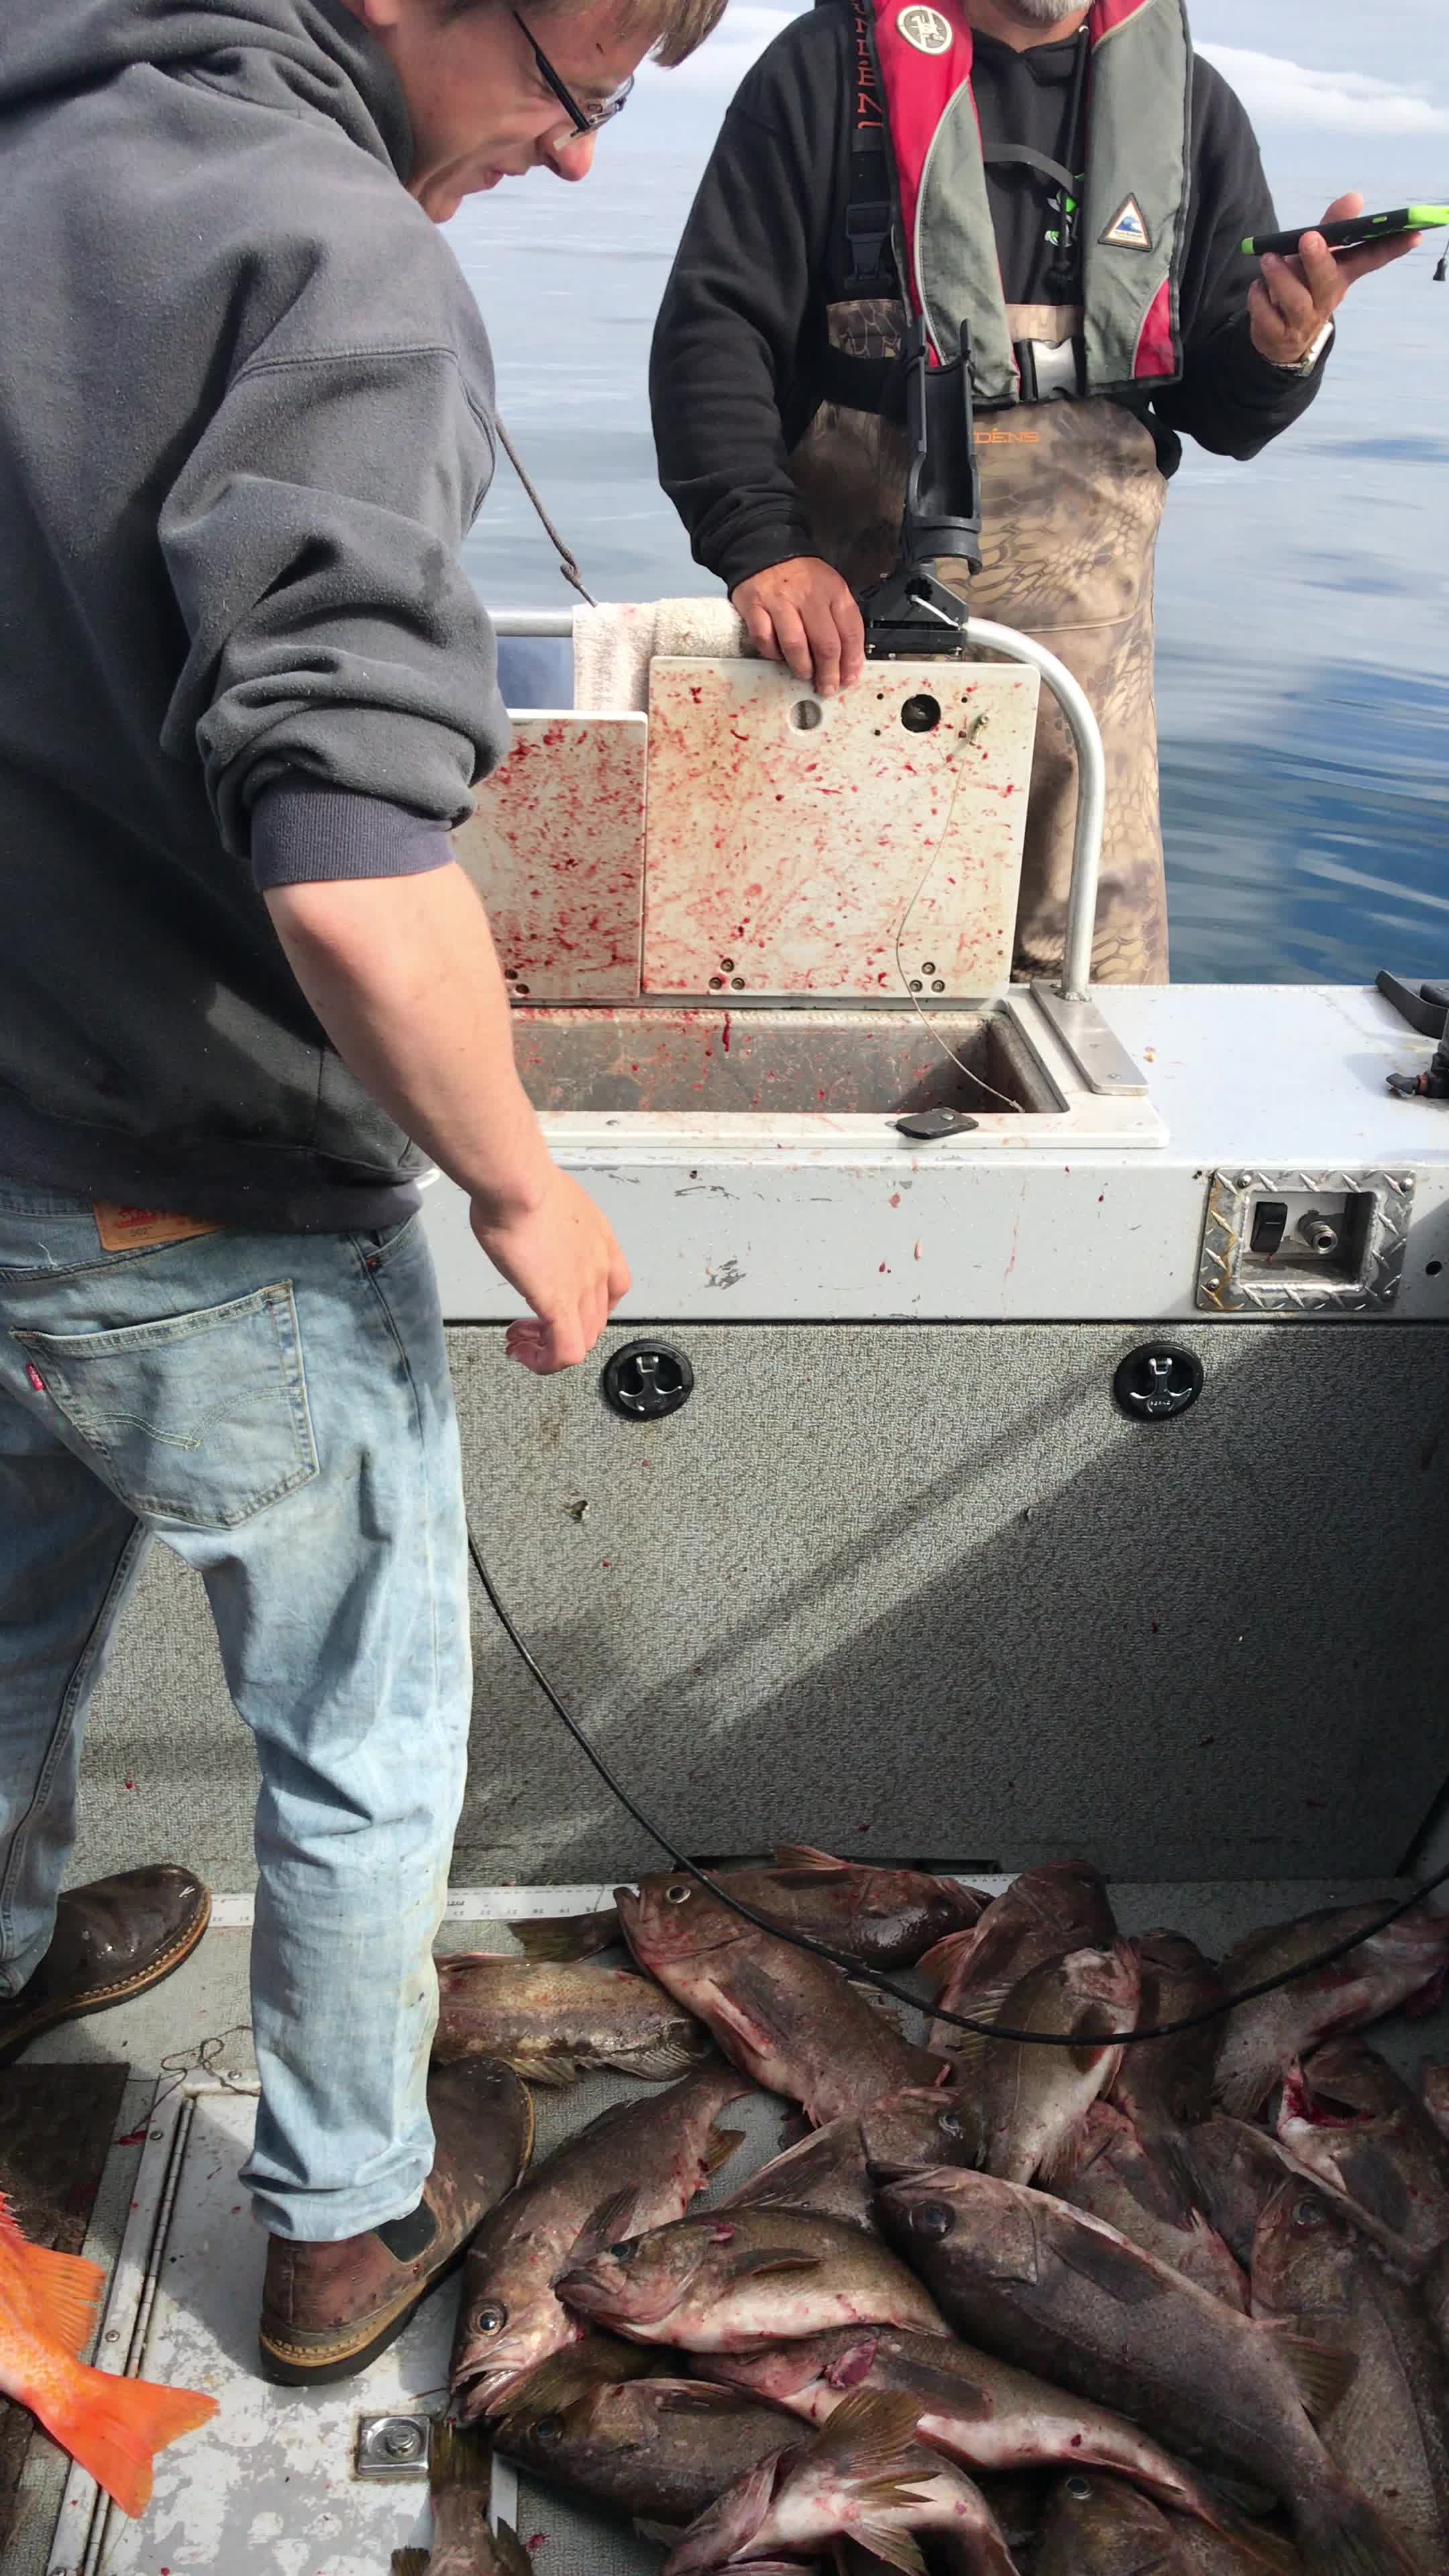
(1305, 365)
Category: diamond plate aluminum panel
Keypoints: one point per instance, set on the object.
(1227, 1287)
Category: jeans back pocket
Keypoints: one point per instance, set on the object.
(200, 1418)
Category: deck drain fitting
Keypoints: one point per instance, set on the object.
(806, 714)
(393, 2446)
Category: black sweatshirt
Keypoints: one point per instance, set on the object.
(740, 341)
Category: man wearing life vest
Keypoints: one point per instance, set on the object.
(1076, 186)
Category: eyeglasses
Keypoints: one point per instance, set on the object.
(584, 120)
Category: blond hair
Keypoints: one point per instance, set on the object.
(675, 28)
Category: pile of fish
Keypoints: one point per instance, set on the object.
(1176, 2308)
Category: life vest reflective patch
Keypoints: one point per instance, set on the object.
(1128, 229)
(926, 29)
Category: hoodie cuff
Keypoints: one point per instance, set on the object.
(306, 833)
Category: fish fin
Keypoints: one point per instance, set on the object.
(719, 2146)
(551, 2067)
(871, 2438)
(663, 2534)
(1322, 2372)
(409, 2562)
(663, 2059)
(458, 2460)
(11, 2231)
(1064, 2156)
(114, 2427)
(608, 2224)
(968, 2047)
(779, 2258)
(551, 2388)
(1243, 2094)
(704, 2397)
(896, 2547)
(1259, 2547)
(1171, 2150)
(511, 2552)
(811, 1862)
(1109, 2263)
(568, 1936)
(734, 2518)
(64, 2291)
(1340, 2534)
(872, 1995)
(939, 1964)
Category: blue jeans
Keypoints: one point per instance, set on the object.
(278, 1409)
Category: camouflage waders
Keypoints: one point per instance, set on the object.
(1072, 499)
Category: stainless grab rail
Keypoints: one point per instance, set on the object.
(1081, 724)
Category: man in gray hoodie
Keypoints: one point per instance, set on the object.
(246, 995)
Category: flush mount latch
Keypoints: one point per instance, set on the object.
(1304, 1243)
(392, 2446)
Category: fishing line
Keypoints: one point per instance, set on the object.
(873, 1976)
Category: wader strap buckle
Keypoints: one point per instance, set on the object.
(1051, 373)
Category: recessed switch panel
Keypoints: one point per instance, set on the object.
(1304, 1243)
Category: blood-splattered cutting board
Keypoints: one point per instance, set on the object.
(793, 844)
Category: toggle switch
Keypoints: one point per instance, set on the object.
(1270, 1223)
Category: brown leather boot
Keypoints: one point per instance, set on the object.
(328, 2310)
(112, 1940)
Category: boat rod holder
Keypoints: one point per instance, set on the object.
(911, 614)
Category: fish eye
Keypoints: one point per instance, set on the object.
(679, 1894)
(490, 2318)
(1308, 2212)
(1079, 2490)
(932, 2219)
(549, 2428)
(626, 2252)
(951, 2125)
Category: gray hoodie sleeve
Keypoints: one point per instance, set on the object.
(313, 538)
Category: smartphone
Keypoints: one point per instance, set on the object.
(1356, 233)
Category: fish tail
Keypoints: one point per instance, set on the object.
(409, 2562)
(1340, 2534)
(458, 2460)
(114, 2427)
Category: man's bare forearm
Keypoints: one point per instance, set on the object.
(404, 977)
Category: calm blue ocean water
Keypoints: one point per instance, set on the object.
(1303, 601)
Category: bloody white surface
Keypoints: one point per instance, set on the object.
(556, 850)
(790, 839)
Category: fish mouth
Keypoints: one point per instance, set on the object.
(478, 2393)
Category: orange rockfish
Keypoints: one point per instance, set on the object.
(113, 2427)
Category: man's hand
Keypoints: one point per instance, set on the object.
(562, 1258)
(803, 613)
(1291, 301)
(402, 974)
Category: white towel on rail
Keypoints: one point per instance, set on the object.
(615, 644)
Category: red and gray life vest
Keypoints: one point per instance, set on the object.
(919, 183)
